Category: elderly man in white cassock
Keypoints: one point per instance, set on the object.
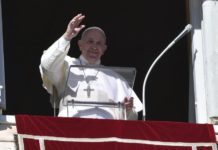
(85, 84)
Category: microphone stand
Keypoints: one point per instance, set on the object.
(184, 32)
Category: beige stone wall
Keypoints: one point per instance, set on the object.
(8, 133)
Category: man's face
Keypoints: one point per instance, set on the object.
(93, 45)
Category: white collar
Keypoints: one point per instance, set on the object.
(84, 61)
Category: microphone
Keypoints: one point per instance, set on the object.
(183, 33)
(186, 30)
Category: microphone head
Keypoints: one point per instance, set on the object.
(188, 27)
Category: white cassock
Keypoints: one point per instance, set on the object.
(94, 85)
(86, 84)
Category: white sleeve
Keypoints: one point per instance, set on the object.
(52, 67)
(53, 58)
(62, 44)
(137, 104)
(137, 107)
(132, 115)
